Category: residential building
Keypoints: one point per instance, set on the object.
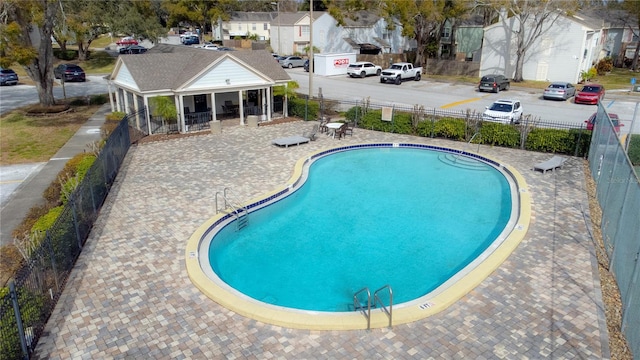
(290, 33)
(567, 46)
(244, 25)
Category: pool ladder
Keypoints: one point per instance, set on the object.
(241, 213)
(366, 308)
(455, 159)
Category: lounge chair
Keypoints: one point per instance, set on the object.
(553, 163)
(290, 141)
(312, 133)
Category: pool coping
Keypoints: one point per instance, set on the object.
(407, 312)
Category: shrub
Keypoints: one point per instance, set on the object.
(426, 128)
(72, 182)
(550, 140)
(353, 114)
(115, 116)
(604, 65)
(634, 149)
(450, 128)
(496, 134)
(45, 222)
(300, 108)
(98, 99)
(65, 55)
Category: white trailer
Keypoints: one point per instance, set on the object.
(332, 64)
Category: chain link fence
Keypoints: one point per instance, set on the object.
(25, 306)
(618, 193)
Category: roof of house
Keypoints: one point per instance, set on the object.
(253, 16)
(361, 18)
(290, 18)
(167, 66)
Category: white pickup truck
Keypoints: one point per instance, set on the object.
(400, 71)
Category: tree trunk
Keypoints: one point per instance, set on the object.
(517, 77)
(40, 69)
(634, 65)
(82, 51)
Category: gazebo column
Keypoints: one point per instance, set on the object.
(285, 108)
(241, 108)
(180, 106)
(110, 96)
(125, 95)
(269, 102)
(145, 98)
(214, 113)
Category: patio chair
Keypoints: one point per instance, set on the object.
(311, 134)
(348, 128)
(324, 120)
(340, 132)
(551, 164)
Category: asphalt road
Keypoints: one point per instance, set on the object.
(440, 95)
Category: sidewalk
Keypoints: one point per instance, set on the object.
(37, 178)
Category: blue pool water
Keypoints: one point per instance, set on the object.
(365, 218)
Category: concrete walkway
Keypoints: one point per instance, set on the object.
(129, 295)
(22, 186)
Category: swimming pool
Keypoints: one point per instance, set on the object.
(249, 265)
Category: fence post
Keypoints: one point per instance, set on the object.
(47, 238)
(16, 310)
(75, 221)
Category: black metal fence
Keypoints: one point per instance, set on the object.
(25, 306)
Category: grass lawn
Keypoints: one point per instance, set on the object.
(28, 139)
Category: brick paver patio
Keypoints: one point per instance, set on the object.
(130, 297)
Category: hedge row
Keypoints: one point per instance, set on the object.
(561, 141)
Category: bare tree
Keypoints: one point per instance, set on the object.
(530, 20)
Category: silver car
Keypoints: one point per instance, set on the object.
(291, 61)
(559, 91)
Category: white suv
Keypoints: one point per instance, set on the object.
(504, 111)
(363, 68)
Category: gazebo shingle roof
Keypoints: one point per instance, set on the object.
(167, 67)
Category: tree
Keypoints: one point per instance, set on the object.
(530, 20)
(27, 26)
(197, 12)
(633, 7)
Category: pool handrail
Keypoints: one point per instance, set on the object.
(358, 307)
(376, 300)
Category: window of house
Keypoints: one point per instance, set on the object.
(254, 27)
(265, 26)
(304, 30)
(446, 32)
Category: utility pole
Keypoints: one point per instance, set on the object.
(310, 49)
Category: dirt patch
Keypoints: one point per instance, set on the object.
(608, 286)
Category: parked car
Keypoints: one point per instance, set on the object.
(363, 68)
(133, 49)
(506, 111)
(209, 47)
(126, 41)
(8, 77)
(591, 121)
(494, 83)
(291, 62)
(590, 94)
(559, 91)
(225, 48)
(69, 72)
(191, 40)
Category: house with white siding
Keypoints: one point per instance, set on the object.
(568, 46)
(206, 86)
(245, 24)
(366, 32)
(290, 32)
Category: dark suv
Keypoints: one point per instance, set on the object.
(493, 83)
(8, 77)
(69, 72)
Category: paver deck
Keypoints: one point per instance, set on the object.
(129, 295)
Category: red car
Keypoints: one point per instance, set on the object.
(126, 41)
(614, 119)
(590, 94)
